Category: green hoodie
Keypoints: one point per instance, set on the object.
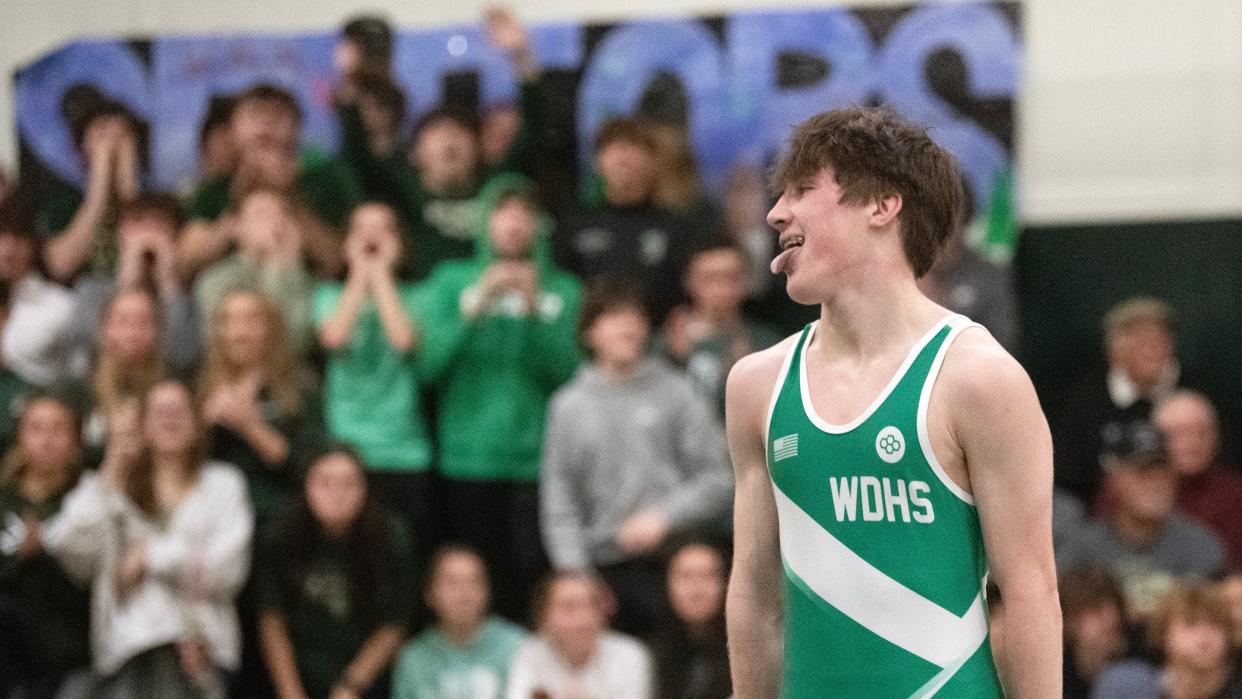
(495, 373)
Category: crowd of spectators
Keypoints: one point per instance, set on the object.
(399, 422)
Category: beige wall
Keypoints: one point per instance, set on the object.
(1131, 109)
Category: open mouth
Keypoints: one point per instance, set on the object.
(788, 245)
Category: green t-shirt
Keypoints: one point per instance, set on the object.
(372, 390)
(58, 207)
(13, 394)
(327, 187)
(430, 667)
(322, 614)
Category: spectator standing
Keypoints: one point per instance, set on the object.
(13, 390)
(1143, 539)
(628, 235)
(372, 388)
(146, 240)
(261, 414)
(498, 340)
(575, 655)
(217, 151)
(706, 336)
(266, 124)
(435, 187)
(632, 455)
(1207, 490)
(334, 587)
(1192, 632)
(164, 536)
(269, 258)
(127, 366)
(37, 343)
(82, 225)
(691, 656)
(467, 653)
(44, 613)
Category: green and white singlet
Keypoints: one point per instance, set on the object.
(883, 555)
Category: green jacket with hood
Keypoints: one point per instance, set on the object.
(494, 373)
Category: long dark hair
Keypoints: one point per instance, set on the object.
(372, 566)
(139, 483)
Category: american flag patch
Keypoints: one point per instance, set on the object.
(784, 448)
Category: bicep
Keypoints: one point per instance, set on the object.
(1008, 449)
(756, 538)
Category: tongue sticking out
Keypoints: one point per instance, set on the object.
(781, 261)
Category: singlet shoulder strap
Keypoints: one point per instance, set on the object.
(956, 325)
(795, 349)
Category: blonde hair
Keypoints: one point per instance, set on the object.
(1129, 314)
(1190, 603)
(281, 371)
(677, 178)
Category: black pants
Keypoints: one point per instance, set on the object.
(501, 521)
(642, 594)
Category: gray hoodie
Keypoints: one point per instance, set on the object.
(616, 447)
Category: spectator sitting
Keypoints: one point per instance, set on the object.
(707, 336)
(147, 229)
(269, 258)
(265, 123)
(372, 399)
(1143, 539)
(1142, 369)
(435, 186)
(1096, 636)
(575, 655)
(37, 342)
(628, 235)
(256, 402)
(1192, 631)
(692, 660)
(113, 143)
(467, 653)
(498, 340)
(334, 582)
(44, 614)
(1207, 490)
(165, 537)
(128, 365)
(632, 455)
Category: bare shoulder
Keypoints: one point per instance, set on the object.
(753, 377)
(979, 372)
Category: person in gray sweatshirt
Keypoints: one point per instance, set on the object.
(633, 456)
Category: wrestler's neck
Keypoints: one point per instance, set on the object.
(872, 311)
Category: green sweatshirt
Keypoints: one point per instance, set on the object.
(438, 226)
(495, 373)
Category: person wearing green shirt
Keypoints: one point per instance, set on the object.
(499, 336)
(334, 582)
(436, 185)
(467, 653)
(371, 389)
(265, 124)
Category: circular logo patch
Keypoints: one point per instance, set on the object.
(890, 445)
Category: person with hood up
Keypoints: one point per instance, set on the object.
(498, 339)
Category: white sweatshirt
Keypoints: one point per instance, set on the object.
(620, 669)
(197, 561)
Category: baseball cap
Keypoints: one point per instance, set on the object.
(1132, 444)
